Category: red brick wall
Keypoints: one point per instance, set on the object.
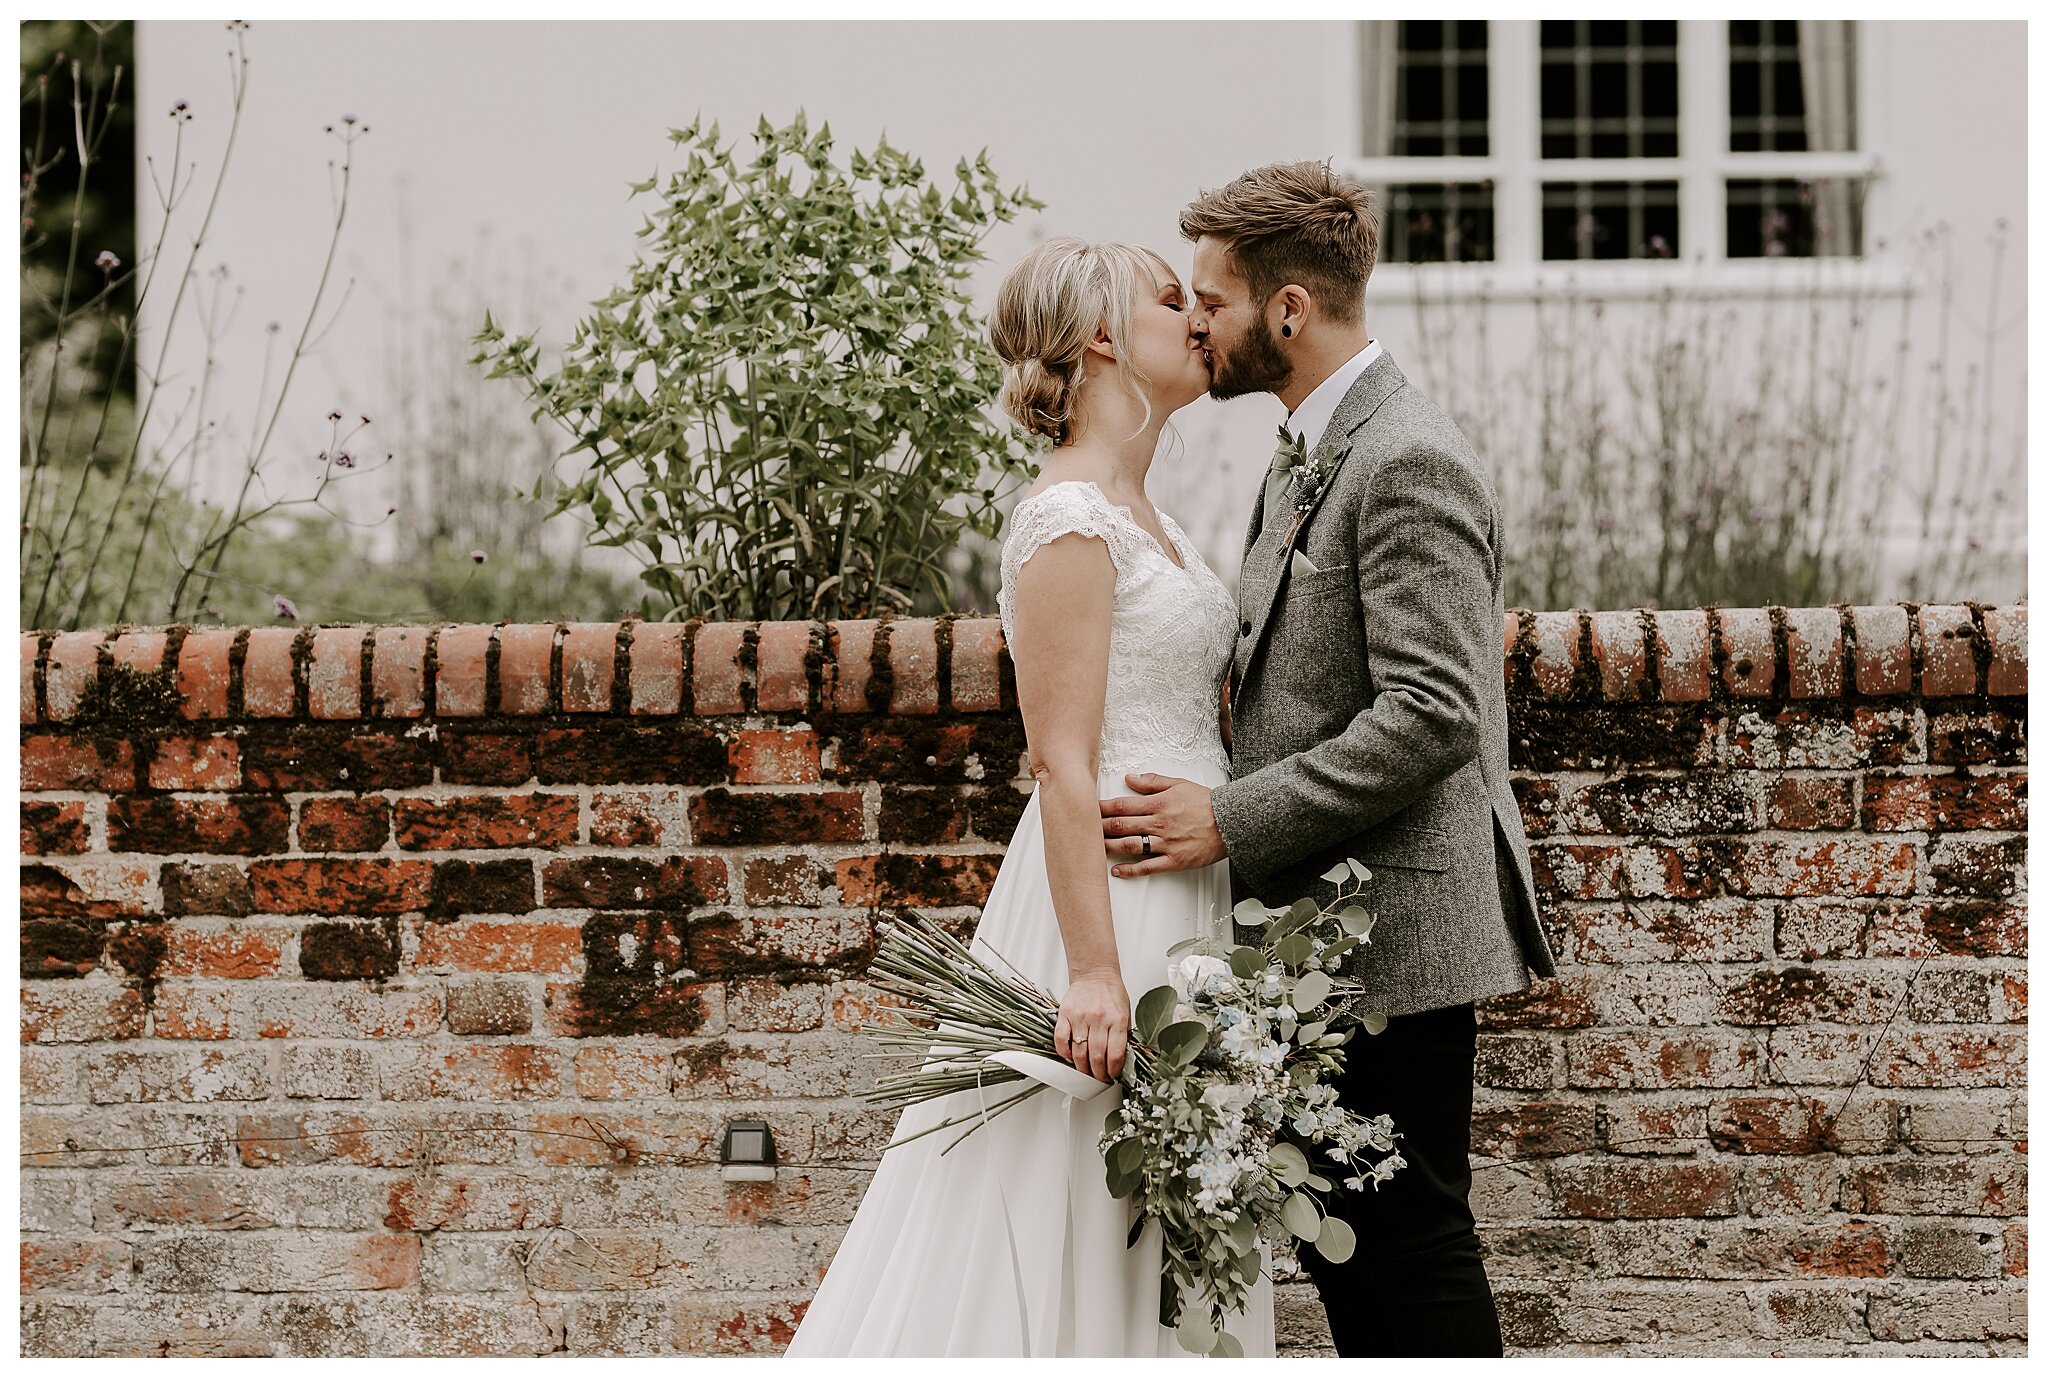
(385, 989)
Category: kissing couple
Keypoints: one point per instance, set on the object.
(1191, 748)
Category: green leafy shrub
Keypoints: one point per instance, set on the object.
(786, 406)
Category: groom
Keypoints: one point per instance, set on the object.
(1368, 721)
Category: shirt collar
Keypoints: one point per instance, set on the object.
(1308, 421)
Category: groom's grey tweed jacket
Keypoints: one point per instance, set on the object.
(1368, 714)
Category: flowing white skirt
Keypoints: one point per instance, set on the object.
(1010, 1244)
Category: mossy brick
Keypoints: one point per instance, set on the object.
(683, 753)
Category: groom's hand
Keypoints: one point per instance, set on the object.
(1174, 813)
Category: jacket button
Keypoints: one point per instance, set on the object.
(1245, 627)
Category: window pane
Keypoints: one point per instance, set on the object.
(1609, 88)
(1440, 101)
(1436, 222)
(1788, 218)
(1791, 85)
(1610, 220)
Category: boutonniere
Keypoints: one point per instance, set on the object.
(1306, 489)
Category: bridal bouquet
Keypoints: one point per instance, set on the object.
(1228, 1132)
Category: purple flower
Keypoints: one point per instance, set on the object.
(106, 262)
(476, 556)
(334, 416)
(285, 608)
(345, 460)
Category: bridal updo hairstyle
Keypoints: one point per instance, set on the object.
(1049, 308)
(1294, 222)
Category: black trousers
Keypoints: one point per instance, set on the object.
(1416, 1286)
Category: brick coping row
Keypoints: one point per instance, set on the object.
(915, 665)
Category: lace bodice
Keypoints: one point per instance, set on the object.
(1172, 628)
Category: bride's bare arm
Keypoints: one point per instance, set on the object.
(1062, 602)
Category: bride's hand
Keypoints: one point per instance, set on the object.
(1094, 1025)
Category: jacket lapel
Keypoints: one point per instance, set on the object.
(1251, 532)
(1374, 386)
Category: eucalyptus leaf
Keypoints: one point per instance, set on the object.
(1127, 1157)
(1337, 874)
(1250, 913)
(1155, 1006)
(1195, 1333)
(1179, 1043)
(1339, 948)
(1247, 962)
(1228, 1346)
(1358, 871)
(1298, 1213)
(1373, 1023)
(1310, 991)
(1289, 1163)
(1336, 1241)
(1294, 949)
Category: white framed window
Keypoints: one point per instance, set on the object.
(1617, 155)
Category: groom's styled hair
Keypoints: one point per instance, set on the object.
(1294, 222)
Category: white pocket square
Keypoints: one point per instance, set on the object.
(1301, 564)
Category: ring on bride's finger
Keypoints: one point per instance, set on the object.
(1145, 844)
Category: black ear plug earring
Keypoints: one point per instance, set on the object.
(1286, 331)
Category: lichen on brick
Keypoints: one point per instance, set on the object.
(636, 981)
(139, 948)
(123, 699)
(349, 950)
(61, 947)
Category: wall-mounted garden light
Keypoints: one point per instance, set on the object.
(749, 1151)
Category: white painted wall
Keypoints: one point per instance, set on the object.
(528, 133)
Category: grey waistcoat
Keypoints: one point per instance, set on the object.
(1368, 713)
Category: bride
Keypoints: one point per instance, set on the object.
(1010, 1243)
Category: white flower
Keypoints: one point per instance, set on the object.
(1197, 972)
(1228, 1098)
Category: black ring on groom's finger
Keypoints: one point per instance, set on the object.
(1145, 844)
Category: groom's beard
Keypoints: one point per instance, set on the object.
(1255, 365)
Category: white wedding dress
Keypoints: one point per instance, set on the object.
(1010, 1244)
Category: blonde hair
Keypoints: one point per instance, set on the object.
(1047, 312)
(1294, 222)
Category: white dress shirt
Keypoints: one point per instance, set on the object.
(1308, 421)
